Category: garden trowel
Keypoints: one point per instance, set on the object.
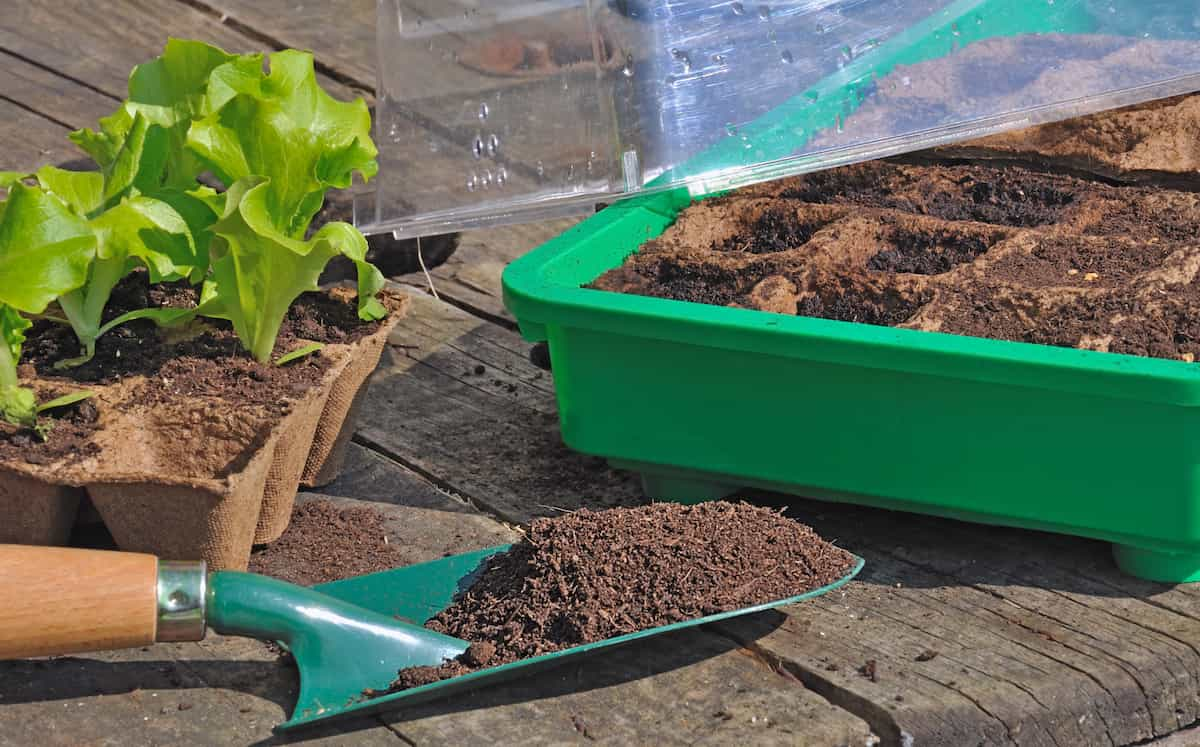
(349, 638)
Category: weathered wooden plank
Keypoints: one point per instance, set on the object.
(343, 40)
(1099, 656)
(425, 523)
(1151, 628)
(471, 277)
(98, 44)
(485, 427)
(29, 140)
(62, 101)
(691, 688)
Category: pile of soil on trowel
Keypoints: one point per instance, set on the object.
(589, 576)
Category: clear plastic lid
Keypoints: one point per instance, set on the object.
(508, 111)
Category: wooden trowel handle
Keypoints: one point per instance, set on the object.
(61, 601)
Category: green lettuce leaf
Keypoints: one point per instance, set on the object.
(258, 270)
(140, 231)
(137, 231)
(18, 405)
(82, 191)
(284, 127)
(45, 249)
(143, 143)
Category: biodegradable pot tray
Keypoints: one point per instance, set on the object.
(192, 478)
(705, 399)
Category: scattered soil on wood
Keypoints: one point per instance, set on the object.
(327, 542)
(589, 576)
(977, 250)
(202, 360)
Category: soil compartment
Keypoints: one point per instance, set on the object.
(997, 252)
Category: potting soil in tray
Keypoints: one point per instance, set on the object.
(999, 252)
(589, 576)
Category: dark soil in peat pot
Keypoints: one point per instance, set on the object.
(68, 433)
(204, 359)
(589, 576)
(978, 250)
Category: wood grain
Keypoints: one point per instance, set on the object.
(98, 44)
(63, 601)
(456, 399)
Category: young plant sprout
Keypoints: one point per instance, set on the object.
(45, 251)
(277, 143)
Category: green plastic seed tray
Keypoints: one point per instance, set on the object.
(705, 400)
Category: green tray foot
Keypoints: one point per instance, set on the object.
(683, 489)
(1168, 567)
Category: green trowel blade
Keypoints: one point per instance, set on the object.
(418, 592)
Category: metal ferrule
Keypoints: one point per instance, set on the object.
(182, 587)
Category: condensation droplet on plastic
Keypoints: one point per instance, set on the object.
(731, 129)
(955, 30)
(738, 9)
(787, 58)
(394, 132)
(820, 28)
(477, 147)
(838, 124)
(483, 111)
(719, 59)
(541, 169)
(493, 145)
(812, 96)
(683, 59)
(472, 183)
(764, 13)
(1050, 2)
(907, 81)
(501, 177)
(627, 70)
(487, 179)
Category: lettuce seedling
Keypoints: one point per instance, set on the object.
(276, 141)
(131, 230)
(45, 252)
(280, 143)
(18, 405)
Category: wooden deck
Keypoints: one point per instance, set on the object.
(978, 635)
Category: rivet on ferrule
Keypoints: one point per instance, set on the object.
(182, 587)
